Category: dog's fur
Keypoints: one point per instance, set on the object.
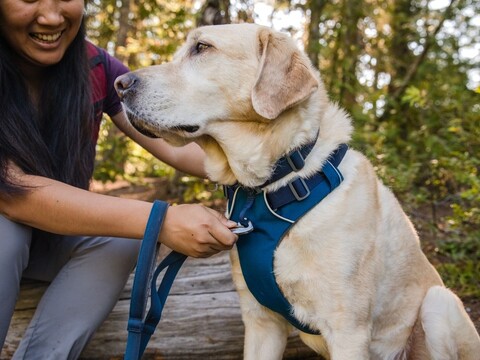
(352, 267)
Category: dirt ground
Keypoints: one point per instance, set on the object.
(151, 188)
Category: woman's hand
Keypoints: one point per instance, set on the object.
(197, 231)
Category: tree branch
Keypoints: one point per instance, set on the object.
(430, 40)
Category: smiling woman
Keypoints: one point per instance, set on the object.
(42, 44)
(41, 31)
(54, 88)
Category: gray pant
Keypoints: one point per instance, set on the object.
(87, 275)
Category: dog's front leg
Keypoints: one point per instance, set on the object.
(266, 332)
(348, 344)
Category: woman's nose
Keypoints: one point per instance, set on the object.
(50, 13)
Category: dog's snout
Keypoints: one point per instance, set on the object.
(125, 83)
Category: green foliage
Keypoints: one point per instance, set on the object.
(461, 266)
(199, 190)
(112, 154)
(395, 66)
(155, 28)
(120, 158)
(462, 276)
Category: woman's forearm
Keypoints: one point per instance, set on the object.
(59, 208)
(56, 207)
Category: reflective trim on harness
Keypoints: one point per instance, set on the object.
(272, 215)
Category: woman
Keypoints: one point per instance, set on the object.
(47, 139)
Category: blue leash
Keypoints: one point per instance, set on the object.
(141, 326)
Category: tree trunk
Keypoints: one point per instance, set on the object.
(404, 64)
(214, 12)
(313, 30)
(351, 49)
(124, 27)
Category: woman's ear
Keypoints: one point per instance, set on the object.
(285, 77)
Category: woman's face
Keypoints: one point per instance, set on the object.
(40, 31)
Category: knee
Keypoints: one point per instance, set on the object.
(15, 244)
(126, 251)
(116, 253)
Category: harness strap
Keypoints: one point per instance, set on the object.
(98, 80)
(242, 219)
(140, 327)
(298, 189)
(272, 215)
(293, 161)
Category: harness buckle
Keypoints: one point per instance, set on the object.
(241, 229)
(295, 160)
(296, 191)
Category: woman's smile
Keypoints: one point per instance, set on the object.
(40, 31)
(44, 38)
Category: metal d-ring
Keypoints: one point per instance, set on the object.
(242, 230)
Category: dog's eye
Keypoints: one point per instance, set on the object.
(200, 47)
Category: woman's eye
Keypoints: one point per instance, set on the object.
(201, 47)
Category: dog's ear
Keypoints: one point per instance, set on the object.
(284, 77)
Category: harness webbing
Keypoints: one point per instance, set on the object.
(272, 215)
(293, 161)
(98, 77)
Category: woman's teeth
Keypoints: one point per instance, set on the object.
(47, 38)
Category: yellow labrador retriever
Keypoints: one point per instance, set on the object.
(351, 267)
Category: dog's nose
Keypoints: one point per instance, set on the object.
(125, 83)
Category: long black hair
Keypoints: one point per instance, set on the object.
(55, 140)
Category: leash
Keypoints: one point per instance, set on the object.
(140, 326)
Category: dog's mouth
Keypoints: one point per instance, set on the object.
(141, 126)
(145, 132)
(148, 129)
(187, 128)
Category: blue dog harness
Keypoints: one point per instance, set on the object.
(271, 215)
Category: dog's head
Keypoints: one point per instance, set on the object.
(229, 72)
(223, 76)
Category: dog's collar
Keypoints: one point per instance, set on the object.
(294, 161)
(298, 188)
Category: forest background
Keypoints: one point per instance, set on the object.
(406, 70)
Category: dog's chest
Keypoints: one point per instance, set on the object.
(256, 251)
(272, 215)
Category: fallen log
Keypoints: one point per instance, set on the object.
(201, 319)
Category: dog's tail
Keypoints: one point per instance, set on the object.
(449, 332)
